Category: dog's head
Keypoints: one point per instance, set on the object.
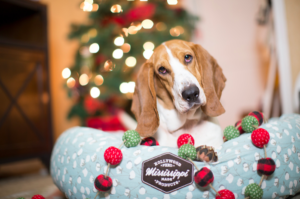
(181, 75)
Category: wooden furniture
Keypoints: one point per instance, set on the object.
(25, 108)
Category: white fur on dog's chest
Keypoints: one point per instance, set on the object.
(171, 123)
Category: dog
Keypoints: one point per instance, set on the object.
(178, 91)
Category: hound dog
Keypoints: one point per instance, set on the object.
(178, 91)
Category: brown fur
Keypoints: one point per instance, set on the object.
(150, 85)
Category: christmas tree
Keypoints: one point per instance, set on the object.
(119, 36)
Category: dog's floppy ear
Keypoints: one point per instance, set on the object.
(144, 101)
(212, 80)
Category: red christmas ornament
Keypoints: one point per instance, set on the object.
(258, 115)
(103, 183)
(113, 155)
(239, 123)
(260, 137)
(204, 177)
(225, 194)
(37, 197)
(184, 139)
(266, 166)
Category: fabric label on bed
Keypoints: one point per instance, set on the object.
(167, 172)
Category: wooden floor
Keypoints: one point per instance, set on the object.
(25, 179)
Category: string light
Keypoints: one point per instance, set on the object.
(131, 87)
(148, 46)
(130, 61)
(116, 8)
(89, 6)
(66, 73)
(175, 32)
(127, 87)
(95, 92)
(172, 2)
(94, 48)
(147, 24)
(126, 47)
(109, 65)
(147, 54)
(98, 80)
(119, 41)
(132, 30)
(117, 54)
(83, 79)
(71, 82)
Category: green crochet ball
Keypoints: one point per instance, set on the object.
(132, 138)
(231, 132)
(248, 122)
(187, 151)
(253, 191)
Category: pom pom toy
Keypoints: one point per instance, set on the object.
(187, 151)
(238, 126)
(37, 197)
(113, 155)
(230, 132)
(131, 138)
(266, 166)
(184, 139)
(149, 141)
(253, 191)
(260, 137)
(103, 183)
(225, 194)
(249, 124)
(258, 115)
(204, 177)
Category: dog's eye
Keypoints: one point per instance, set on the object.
(188, 58)
(162, 70)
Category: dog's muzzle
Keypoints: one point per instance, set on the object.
(191, 94)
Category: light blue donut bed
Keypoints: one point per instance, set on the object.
(77, 158)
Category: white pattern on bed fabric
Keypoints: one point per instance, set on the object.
(72, 160)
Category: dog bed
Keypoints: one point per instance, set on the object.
(77, 159)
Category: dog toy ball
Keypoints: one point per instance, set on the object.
(184, 139)
(132, 138)
(231, 132)
(238, 126)
(258, 115)
(260, 137)
(113, 155)
(187, 151)
(249, 124)
(225, 194)
(103, 183)
(204, 177)
(266, 166)
(253, 191)
(38, 197)
(149, 141)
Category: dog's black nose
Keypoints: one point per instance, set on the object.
(191, 93)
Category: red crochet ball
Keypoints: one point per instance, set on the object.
(266, 166)
(113, 155)
(260, 137)
(184, 139)
(258, 115)
(203, 177)
(37, 197)
(225, 194)
(103, 183)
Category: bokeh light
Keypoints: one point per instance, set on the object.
(83, 79)
(92, 32)
(161, 26)
(117, 54)
(147, 24)
(148, 45)
(98, 80)
(132, 30)
(119, 41)
(116, 8)
(94, 48)
(131, 87)
(127, 87)
(147, 54)
(109, 65)
(172, 2)
(71, 82)
(130, 61)
(175, 32)
(95, 92)
(126, 47)
(66, 73)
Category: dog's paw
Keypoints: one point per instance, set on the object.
(206, 154)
